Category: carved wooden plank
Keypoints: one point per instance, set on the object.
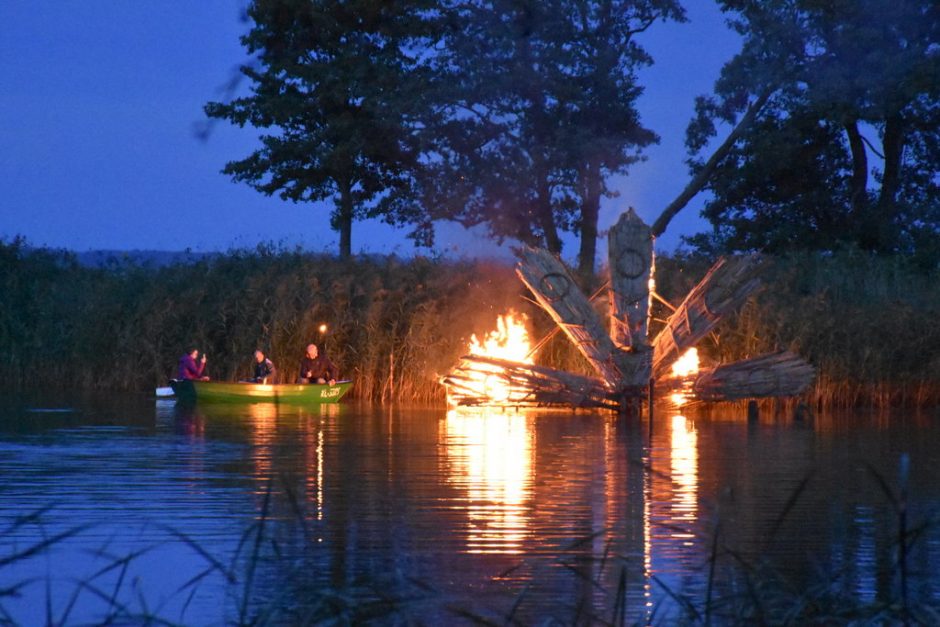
(723, 289)
(558, 294)
(776, 374)
(630, 258)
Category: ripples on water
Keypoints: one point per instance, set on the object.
(548, 515)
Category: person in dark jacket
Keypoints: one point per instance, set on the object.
(264, 369)
(190, 369)
(317, 368)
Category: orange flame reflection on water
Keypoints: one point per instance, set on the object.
(684, 466)
(491, 457)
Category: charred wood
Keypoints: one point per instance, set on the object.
(481, 381)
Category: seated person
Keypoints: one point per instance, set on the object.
(264, 369)
(316, 368)
(189, 369)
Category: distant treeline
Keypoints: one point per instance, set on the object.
(394, 325)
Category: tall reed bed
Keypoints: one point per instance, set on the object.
(394, 325)
(866, 322)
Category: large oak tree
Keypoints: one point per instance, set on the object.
(540, 111)
(846, 149)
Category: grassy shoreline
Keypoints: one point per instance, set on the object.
(866, 323)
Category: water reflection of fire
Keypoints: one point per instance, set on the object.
(684, 368)
(491, 457)
(684, 462)
(264, 436)
(509, 341)
(671, 516)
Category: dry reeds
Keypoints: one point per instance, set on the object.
(395, 325)
(865, 322)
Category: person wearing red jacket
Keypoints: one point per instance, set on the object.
(317, 368)
(190, 369)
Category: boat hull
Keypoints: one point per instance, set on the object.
(224, 392)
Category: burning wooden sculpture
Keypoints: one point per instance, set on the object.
(626, 362)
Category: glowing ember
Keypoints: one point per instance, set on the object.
(685, 366)
(509, 341)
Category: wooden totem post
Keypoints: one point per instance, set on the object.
(631, 261)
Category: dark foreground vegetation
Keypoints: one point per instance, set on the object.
(394, 325)
(266, 585)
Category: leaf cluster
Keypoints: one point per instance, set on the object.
(846, 150)
(340, 88)
(508, 113)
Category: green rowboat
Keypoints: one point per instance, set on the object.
(223, 392)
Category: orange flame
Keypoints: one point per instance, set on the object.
(509, 341)
(684, 367)
(687, 364)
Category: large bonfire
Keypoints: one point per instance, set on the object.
(500, 370)
(509, 341)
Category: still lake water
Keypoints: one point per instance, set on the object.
(204, 515)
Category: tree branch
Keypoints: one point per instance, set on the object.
(699, 180)
(872, 147)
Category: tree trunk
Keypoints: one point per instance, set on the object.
(343, 220)
(859, 185)
(546, 215)
(590, 210)
(893, 145)
(894, 150)
(701, 178)
(533, 91)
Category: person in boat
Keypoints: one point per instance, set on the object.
(265, 371)
(191, 369)
(317, 368)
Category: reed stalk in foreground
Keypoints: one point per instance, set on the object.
(268, 584)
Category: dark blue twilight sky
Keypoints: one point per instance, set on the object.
(99, 100)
